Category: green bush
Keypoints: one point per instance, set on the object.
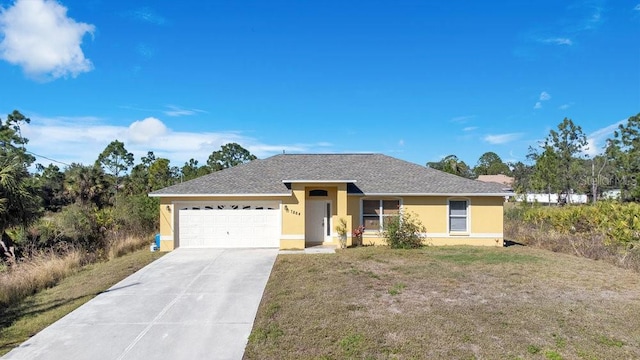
(137, 215)
(403, 231)
(606, 230)
(618, 222)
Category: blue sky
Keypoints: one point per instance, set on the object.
(417, 80)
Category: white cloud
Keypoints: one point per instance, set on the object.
(462, 119)
(565, 106)
(544, 96)
(470, 128)
(176, 111)
(502, 138)
(39, 37)
(401, 142)
(596, 141)
(146, 15)
(558, 41)
(144, 130)
(81, 139)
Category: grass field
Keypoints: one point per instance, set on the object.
(34, 313)
(447, 302)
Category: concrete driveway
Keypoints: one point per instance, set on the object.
(189, 304)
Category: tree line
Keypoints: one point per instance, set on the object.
(558, 164)
(86, 205)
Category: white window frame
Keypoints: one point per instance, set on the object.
(380, 209)
(467, 216)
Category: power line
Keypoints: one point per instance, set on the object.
(48, 158)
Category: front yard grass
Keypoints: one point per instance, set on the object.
(34, 313)
(447, 302)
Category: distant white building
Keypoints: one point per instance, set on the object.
(552, 198)
(614, 194)
(508, 181)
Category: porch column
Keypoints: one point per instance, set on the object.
(341, 213)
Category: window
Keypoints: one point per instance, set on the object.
(458, 216)
(318, 193)
(374, 213)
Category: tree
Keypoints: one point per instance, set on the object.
(116, 159)
(160, 174)
(12, 143)
(19, 201)
(490, 163)
(190, 170)
(138, 180)
(545, 170)
(51, 182)
(522, 174)
(558, 167)
(452, 165)
(624, 152)
(86, 185)
(228, 156)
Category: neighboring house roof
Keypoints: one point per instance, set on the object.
(366, 174)
(498, 179)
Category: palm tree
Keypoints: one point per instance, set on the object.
(86, 185)
(19, 204)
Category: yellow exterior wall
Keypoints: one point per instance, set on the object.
(293, 213)
(431, 210)
(485, 215)
(166, 226)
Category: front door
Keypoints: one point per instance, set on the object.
(317, 221)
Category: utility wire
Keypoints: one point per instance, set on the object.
(44, 157)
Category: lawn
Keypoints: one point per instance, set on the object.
(447, 302)
(25, 319)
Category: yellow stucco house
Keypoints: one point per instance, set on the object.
(295, 201)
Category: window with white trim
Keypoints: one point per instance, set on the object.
(458, 215)
(374, 213)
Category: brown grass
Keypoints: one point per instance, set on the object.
(38, 272)
(592, 245)
(127, 244)
(447, 302)
(44, 269)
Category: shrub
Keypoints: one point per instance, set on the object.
(404, 231)
(605, 230)
(137, 215)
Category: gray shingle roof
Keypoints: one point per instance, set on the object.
(373, 174)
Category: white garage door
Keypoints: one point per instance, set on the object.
(229, 225)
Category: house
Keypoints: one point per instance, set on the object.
(504, 180)
(294, 201)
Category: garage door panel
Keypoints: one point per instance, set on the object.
(229, 228)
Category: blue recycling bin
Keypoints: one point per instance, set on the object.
(158, 241)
